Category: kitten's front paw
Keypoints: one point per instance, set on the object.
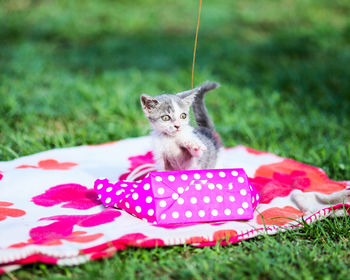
(195, 149)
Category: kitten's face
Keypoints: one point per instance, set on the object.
(168, 114)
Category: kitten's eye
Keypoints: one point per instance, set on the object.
(183, 116)
(165, 118)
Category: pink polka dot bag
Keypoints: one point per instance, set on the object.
(185, 196)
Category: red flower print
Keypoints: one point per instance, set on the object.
(139, 240)
(71, 195)
(81, 237)
(280, 185)
(218, 223)
(197, 239)
(109, 252)
(62, 228)
(75, 236)
(1, 175)
(103, 144)
(224, 234)
(51, 164)
(108, 249)
(37, 258)
(255, 152)
(279, 179)
(9, 212)
(137, 161)
(279, 216)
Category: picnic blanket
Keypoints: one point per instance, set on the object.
(50, 213)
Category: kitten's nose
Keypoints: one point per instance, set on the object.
(177, 126)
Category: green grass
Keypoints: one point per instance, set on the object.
(71, 73)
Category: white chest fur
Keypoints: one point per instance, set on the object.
(169, 146)
(170, 149)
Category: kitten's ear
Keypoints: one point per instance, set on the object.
(188, 96)
(148, 103)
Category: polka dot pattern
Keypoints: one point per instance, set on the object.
(184, 177)
(188, 214)
(240, 179)
(201, 213)
(160, 191)
(243, 192)
(109, 189)
(206, 199)
(180, 201)
(119, 192)
(159, 179)
(171, 178)
(183, 196)
(137, 198)
(175, 215)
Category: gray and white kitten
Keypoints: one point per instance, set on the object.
(178, 145)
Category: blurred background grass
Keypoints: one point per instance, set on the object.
(71, 73)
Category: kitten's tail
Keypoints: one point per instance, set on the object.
(200, 111)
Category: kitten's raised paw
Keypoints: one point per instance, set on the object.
(196, 149)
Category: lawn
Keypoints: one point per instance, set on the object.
(71, 73)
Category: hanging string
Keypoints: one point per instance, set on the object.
(146, 168)
(195, 41)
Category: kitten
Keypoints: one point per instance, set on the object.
(178, 145)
